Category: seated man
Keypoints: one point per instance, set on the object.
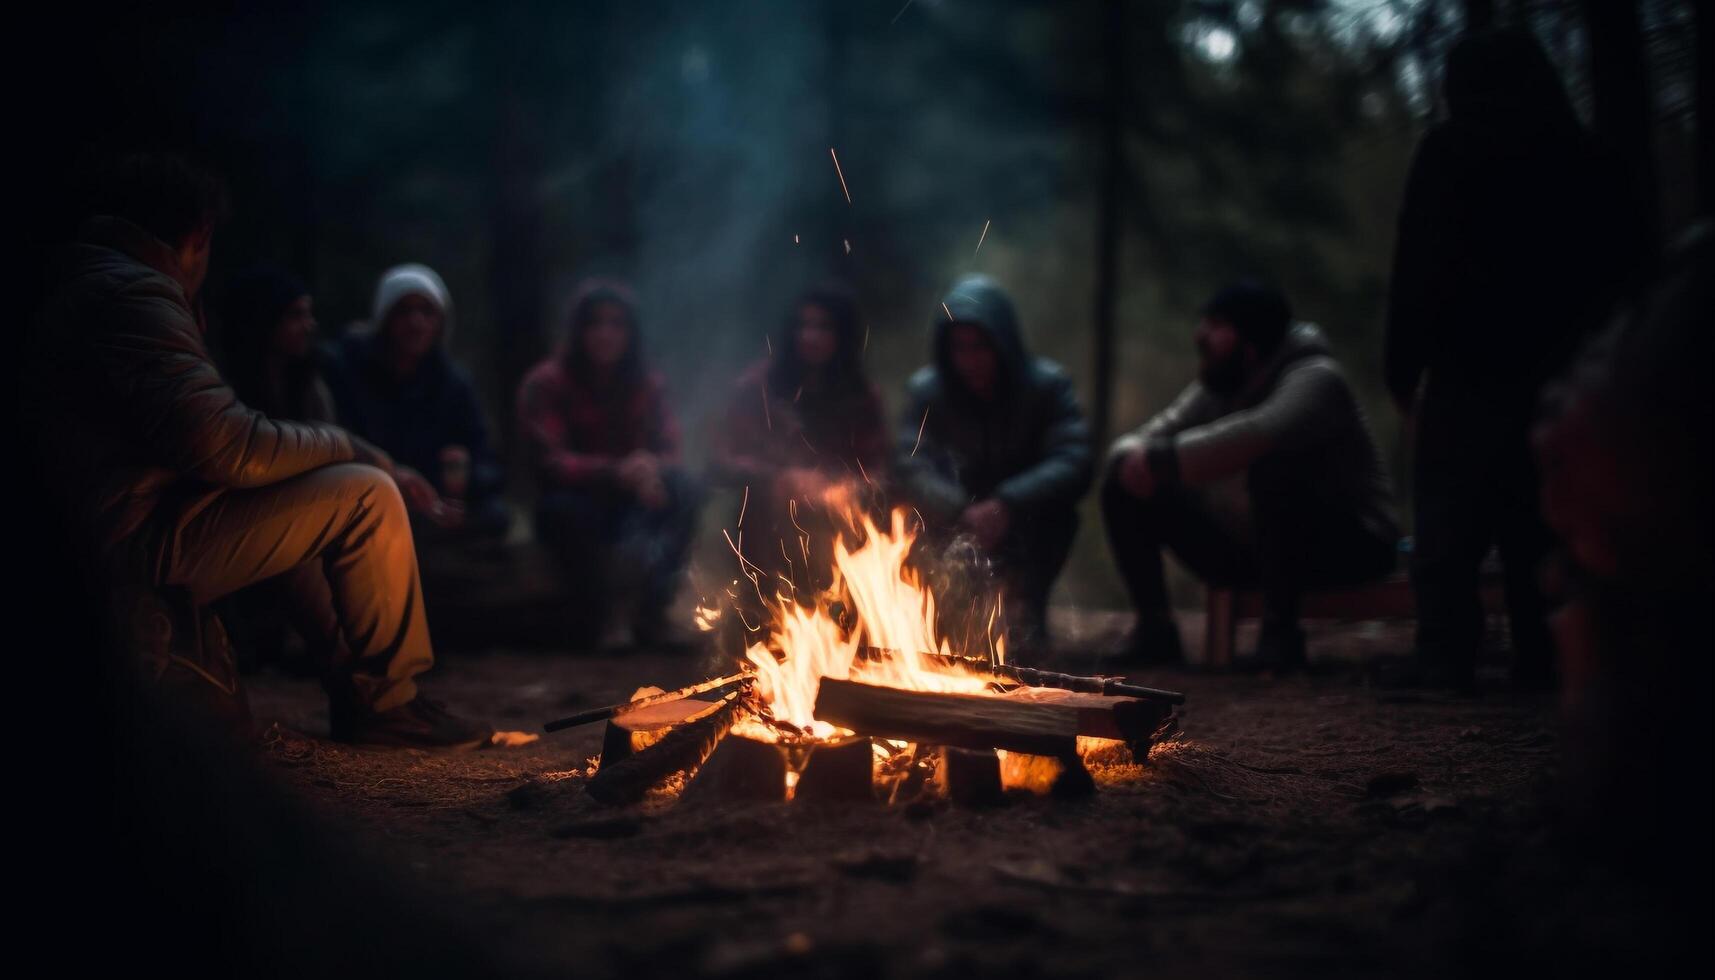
(606, 446)
(395, 385)
(181, 485)
(1271, 406)
(993, 443)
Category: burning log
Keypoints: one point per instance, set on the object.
(1032, 720)
(969, 777)
(1115, 687)
(682, 749)
(608, 711)
(973, 721)
(630, 732)
(741, 768)
(841, 771)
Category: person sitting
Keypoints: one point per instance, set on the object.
(182, 486)
(801, 422)
(1270, 413)
(267, 335)
(396, 385)
(993, 444)
(606, 450)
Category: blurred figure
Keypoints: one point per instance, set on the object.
(803, 421)
(268, 332)
(606, 449)
(1262, 473)
(268, 329)
(1624, 456)
(1514, 241)
(396, 385)
(993, 445)
(181, 487)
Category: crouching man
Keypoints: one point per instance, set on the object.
(1261, 474)
(181, 486)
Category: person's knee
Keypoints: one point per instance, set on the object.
(372, 486)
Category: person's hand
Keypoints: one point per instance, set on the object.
(446, 513)
(640, 473)
(1135, 475)
(419, 493)
(801, 482)
(369, 454)
(988, 521)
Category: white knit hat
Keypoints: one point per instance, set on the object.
(407, 280)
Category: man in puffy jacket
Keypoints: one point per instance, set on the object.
(993, 443)
(1261, 474)
(180, 485)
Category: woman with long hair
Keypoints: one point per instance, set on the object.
(614, 503)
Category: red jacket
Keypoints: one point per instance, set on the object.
(762, 434)
(577, 432)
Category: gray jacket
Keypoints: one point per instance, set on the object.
(1301, 404)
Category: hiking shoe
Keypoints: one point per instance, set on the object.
(421, 723)
(1279, 650)
(1151, 641)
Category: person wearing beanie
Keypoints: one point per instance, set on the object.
(1270, 413)
(395, 384)
(615, 500)
(992, 448)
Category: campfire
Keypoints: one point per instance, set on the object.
(861, 696)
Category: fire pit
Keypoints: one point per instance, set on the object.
(859, 697)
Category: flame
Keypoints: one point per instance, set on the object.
(887, 636)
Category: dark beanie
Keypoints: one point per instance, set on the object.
(257, 297)
(1258, 313)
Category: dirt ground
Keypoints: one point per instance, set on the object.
(1308, 826)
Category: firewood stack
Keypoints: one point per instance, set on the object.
(904, 745)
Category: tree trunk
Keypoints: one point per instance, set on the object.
(1109, 202)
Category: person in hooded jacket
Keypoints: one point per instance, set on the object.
(802, 422)
(396, 385)
(993, 445)
(606, 451)
(1262, 473)
(1515, 241)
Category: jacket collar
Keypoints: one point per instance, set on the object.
(124, 236)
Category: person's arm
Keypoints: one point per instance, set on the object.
(179, 406)
(1420, 270)
(547, 433)
(663, 438)
(1304, 407)
(918, 460)
(736, 458)
(471, 432)
(1064, 468)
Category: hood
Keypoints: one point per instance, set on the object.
(406, 280)
(979, 301)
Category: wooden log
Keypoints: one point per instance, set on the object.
(1038, 721)
(741, 768)
(1064, 777)
(969, 777)
(633, 731)
(840, 771)
(682, 749)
